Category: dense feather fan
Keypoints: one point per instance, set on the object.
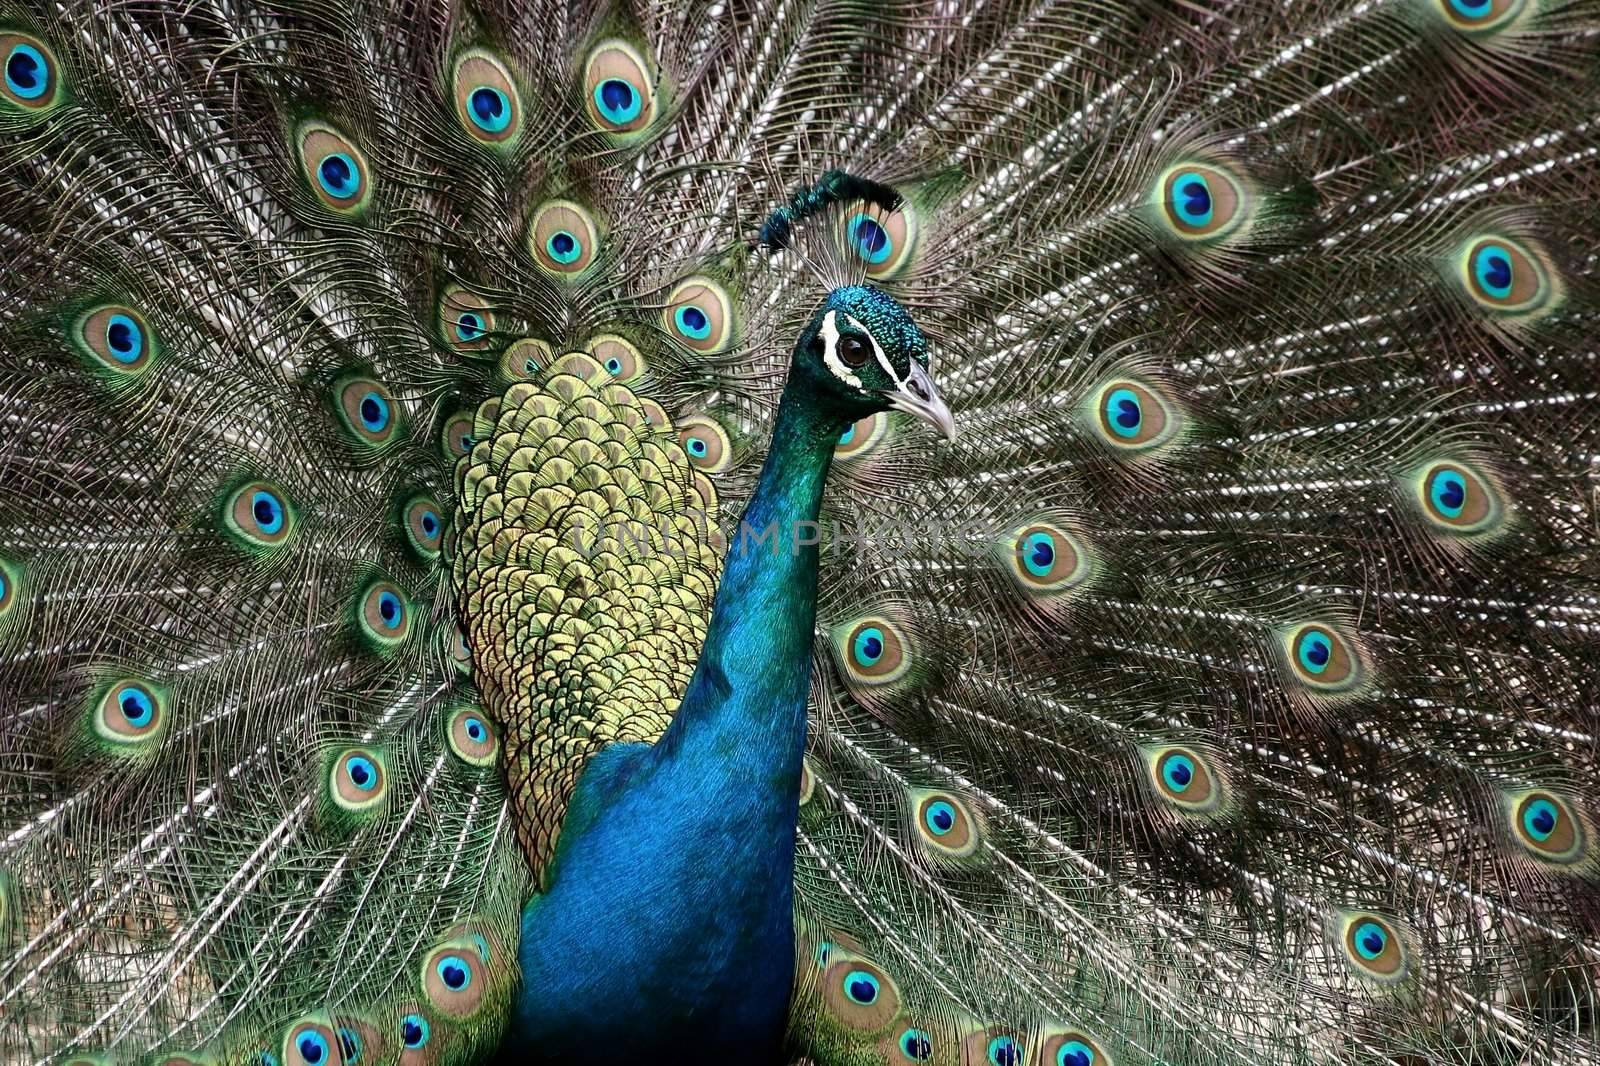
(1225, 693)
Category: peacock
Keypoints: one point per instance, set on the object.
(966, 532)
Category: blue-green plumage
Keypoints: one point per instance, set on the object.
(1221, 697)
(670, 901)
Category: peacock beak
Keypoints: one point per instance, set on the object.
(917, 396)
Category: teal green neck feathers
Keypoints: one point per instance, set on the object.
(670, 909)
(758, 647)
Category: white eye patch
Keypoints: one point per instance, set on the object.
(829, 332)
(877, 349)
(830, 350)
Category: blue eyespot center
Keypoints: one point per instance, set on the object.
(617, 101)
(861, 987)
(430, 524)
(414, 1031)
(469, 326)
(868, 646)
(339, 176)
(374, 412)
(267, 511)
(848, 435)
(1075, 1053)
(940, 818)
(454, 972)
(1539, 818)
(870, 240)
(313, 1049)
(614, 365)
(1473, 9)
(489, 109)
(124, 338)
(1316, 651)
(475, 729)
(27, 74)
(1194, 199)
(1492, 268)
(1004, 1051)
(349, 1046)
(137, 707)
(1177, 771)
(1448, 493)
(692, 322)
(563, 247)
(1039, 554)
(915, 1045)
(390, 609)
(697, 447)
(1370, 940)
(363, 774)
(1123, 412)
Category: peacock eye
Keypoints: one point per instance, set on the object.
(312, 1043)
(1479, 16)
(472, 739)
(699, 315)
(1321, 658)
(945, 825)
(456, 436)
(860, 995)
(618, 93)
(423, 526)
(853, 351)
(563, 238)
(916, 1045)
(1201, 201)
(1510, 278)
(487, 103)
(335, 168)
(1457, 499)
(116, 337)
(414, 1031)
(384, 616)
(706, 444)
(1071, 1048)
(259, 515)
(30, 73)
(861, 987)
(466, 321)
(1373, 947)
(130, 712)
(454, 978)
(1186, 780)
(1044, 558)
(367, 411)
(619, 356)
(1005, 1051)
(1548, 827)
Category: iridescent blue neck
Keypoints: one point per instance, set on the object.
(668, 924)
(757, 655)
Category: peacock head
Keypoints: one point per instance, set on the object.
(862, 353)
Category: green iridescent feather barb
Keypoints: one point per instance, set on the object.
(1052, 533)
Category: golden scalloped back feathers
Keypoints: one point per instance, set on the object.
(585, 566)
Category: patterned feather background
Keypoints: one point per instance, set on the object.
(1225, 692)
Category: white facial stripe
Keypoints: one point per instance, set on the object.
(877, 349)
(830, 350)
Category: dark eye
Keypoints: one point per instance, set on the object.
(853, 350)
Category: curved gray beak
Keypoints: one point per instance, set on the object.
(917, 396)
